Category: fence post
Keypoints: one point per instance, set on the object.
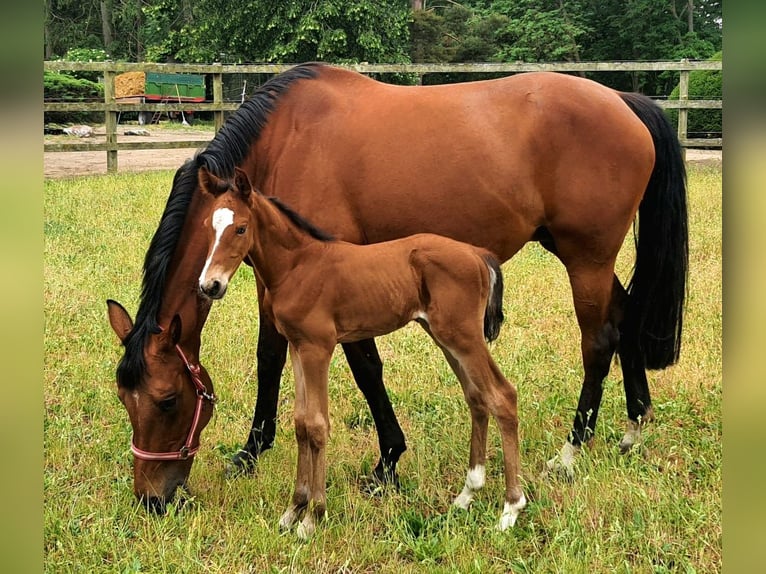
(218, 99)
(110, 122)
(683, 111)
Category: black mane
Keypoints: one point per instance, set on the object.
(228, 149)
(301, 222)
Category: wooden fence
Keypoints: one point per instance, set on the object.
(112, 109)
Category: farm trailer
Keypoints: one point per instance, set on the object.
(155, 87)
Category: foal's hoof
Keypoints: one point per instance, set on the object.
(241, 463)
(306, 528)
(511, 513)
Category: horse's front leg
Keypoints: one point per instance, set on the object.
(367, 368)
(271, 355)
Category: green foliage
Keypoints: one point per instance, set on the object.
(703, 85)
(62, 87)
(241, 31)
(237, 31)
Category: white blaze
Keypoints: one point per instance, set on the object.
(221, 219)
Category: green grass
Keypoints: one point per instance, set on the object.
(657, 509)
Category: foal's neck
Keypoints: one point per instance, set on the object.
(278, 244)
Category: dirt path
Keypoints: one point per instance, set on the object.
(70, 164)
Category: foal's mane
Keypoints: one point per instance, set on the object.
(229, 148)
(300, 222)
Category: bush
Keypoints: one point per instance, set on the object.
(703, 85)
(62, 87)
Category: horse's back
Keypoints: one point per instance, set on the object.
(506, 155)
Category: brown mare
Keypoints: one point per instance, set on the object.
(319, 292)
(534, 157)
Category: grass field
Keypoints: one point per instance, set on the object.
(657, 509)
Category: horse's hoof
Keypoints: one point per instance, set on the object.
(563, 463)
(631, 437)
(380, 480)
(241, 463)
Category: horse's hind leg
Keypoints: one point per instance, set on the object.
(637, 396)
(592, 293)
(367, 368)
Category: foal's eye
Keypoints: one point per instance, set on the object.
(167, 404)
(241, 230)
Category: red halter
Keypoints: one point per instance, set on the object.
(202, 395)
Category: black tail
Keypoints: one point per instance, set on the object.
(658, 286)
(493, 314)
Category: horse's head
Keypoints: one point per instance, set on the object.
(169, 402)
(229, 227)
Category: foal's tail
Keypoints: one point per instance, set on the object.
(654, 316)
(493, 314)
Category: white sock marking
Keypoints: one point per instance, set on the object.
(511, 513)
(221, 219)
(474, 481)
(565, 459)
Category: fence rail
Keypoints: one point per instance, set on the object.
(112, 108)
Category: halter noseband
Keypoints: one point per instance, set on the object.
(202, 395)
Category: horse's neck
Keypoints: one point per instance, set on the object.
(277, 243)
(181, 290)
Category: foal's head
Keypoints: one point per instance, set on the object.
(230, 229)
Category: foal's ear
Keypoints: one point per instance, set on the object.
(243, 182)
(119, 319)
(211, 183)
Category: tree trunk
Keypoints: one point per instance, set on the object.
(690, 15)
(417, 4)
(106, 24)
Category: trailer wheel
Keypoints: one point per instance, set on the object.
(144, 118)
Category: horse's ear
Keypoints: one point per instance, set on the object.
(119, 319)
(243, 182)
(175, 330)
(211, 183)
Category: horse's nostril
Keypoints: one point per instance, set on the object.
(215, 287)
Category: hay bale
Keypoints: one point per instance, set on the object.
(129, 84)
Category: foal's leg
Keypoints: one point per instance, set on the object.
(312, 423)
(488, 386)
(367, 369)
(485, 390)
(592, 293)
(474, 480)
(304, 471)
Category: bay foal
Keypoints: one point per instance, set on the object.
(320, 292)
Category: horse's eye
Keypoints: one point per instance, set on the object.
(167, 404)
(241, 230)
